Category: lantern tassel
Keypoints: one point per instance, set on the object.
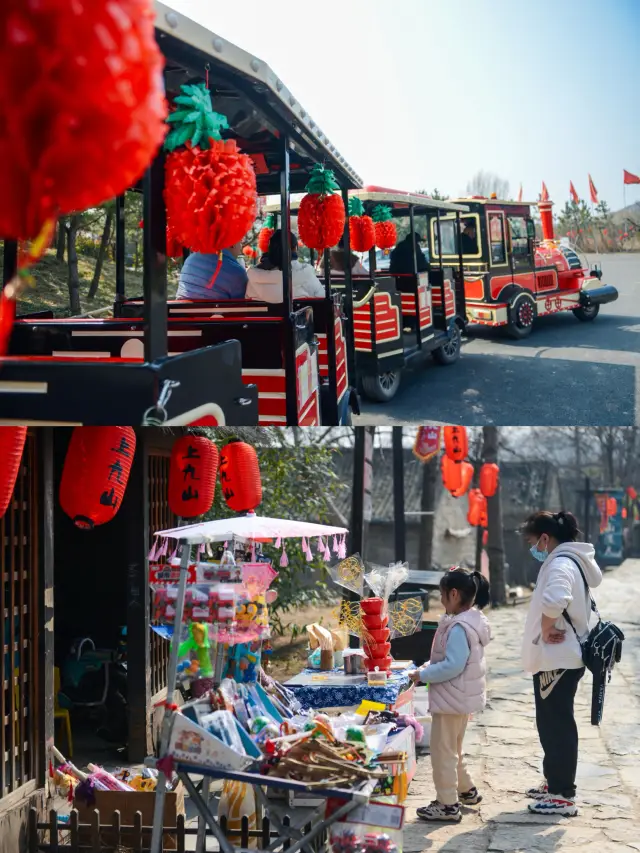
(216, 272)
(335, 544)
(320, 545)
(284, 560)
(327, 552)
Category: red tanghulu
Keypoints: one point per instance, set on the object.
(88, 76)
(385, 227)
(95, 474)
(456, 443)
(266, 233)
(12, 439)
(489, 479)
(451, 474)
(477, 514)
(466, 476)
(321, 214)
(210, 190)
(362, 233)
(192, 475)
(240, 476)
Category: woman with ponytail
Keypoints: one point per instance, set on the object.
(456, 675)
(552, 654)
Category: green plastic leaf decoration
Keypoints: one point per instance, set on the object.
(356, 207)
(381, 213)
(196, 122)
(270, 221)
(322, 181)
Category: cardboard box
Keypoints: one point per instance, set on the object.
(128, 803)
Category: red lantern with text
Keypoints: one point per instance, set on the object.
(451, 474)
(466, 476)
(456, 444)
(477, 508)
(192, 476)
(240, 476)
(321, 214)
(489, 479)
(612, 506)
(95, 474)
(12, 439)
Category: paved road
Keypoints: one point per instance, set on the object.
(505, 755)
(566, 372)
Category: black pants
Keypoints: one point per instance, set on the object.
(557, 729)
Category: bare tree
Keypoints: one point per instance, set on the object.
(61, 238)
(110, 210)
(495, 544)
(72, 261)
(484, 183)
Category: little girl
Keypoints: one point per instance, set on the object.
(455, 674)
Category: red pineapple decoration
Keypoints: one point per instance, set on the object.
(12, 439)
(192, 476)
(210, 185)
(386, 234)
(240, 476)
(266, 233)
(362, 233)
(82, 106)
(321, 214)
(95, 474)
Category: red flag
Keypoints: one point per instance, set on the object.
(574, 195)
(593, 191)
(427, 442)
(520, 193)
(629, 178)
(545, 193)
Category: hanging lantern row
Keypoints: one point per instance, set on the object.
(240, 476)
(321, 214)
(12, 441)
(457, 475)
(95, 474)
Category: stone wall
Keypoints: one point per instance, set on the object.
(14, 817)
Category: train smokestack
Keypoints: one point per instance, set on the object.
(546, 217)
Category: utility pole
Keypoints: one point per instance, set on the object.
(427, 518)
(495, 544)
(399, 522)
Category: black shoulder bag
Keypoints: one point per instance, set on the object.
(601, 650)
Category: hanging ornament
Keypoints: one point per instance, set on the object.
(362, 233)
(12, 439)
(456, 443)
(321, 214)
(240, 476)
(466, 476)
(489, 479)
(612, 507)
(266, 233)
(82, 101)
(451, 474)
(385, 227)
(210, 185)
(95, 474)
(192, 476)
(632, 493)
(477, 508)
(248, 252)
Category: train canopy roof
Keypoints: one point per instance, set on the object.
(257, 104)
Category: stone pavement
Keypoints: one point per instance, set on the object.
(505, 755)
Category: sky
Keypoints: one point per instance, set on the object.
(422, 94)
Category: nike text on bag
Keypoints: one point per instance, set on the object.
(601, 650)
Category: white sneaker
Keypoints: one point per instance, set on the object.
(538, 793)
(438, 811)
(553, 804)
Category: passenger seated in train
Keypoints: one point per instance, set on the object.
(401, 260)
(468, 238)
(265, 280)
(337, 259)
(198, 279)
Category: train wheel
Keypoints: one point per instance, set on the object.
(521, 314)
(586, 314)
(382, 387)
(449, 351)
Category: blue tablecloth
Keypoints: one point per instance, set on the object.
(320, 695)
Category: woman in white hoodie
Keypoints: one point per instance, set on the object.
(265, 280)
(551, 651)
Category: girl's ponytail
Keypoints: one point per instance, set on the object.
(483, 595)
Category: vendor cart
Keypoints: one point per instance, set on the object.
(252, 364)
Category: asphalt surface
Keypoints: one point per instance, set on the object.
(565, 373)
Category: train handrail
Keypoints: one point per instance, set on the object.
(360, 303)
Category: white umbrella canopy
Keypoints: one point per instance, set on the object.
(248, 527)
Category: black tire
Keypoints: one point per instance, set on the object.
(449, 352)
(383, 387)
(586, 314)
(521, 314)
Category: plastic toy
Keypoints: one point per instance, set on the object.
(198, 642)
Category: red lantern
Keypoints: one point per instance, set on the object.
(266, 233)
(362, 234)
(624, 512)
(477, 508)
(466, 476)
(210, 185)
(192, 475)
(489, 479)
(95, 474)
(451, 474)
(321, 214)
(456, 443)
(247, 252)
(12, 439)
(240, 476)
(632, 493)
(612, 506)
(385, 227)
(89, 77)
